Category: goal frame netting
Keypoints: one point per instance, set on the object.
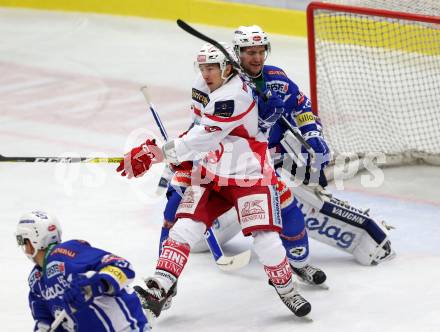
(407, 157)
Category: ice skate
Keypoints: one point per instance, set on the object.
(296, 303)
(153, 298)
(311, 275)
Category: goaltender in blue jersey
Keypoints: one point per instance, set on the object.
(88, 287)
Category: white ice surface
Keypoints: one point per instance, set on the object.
(69, 84)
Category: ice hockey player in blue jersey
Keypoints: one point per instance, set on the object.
(85, 288)
(252, 46)
(327, 218)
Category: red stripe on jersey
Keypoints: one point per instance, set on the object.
(232, 118)
(240, 131)
(197, 111)
(241, 182)
(257, 147)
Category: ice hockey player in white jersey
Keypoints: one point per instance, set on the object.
(74, 286)
(235, 172)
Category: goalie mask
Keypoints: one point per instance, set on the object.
(40, 229)
(210, 54)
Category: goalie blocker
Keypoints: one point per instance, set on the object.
(330, 221)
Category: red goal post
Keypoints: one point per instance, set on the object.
(375, 81)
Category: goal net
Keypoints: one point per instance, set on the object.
(375, 77)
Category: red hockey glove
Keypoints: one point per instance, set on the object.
(185, 166)
(138, 161)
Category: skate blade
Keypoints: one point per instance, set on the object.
(150, 317)
(304, 319)
(323, 286)
(307, 284)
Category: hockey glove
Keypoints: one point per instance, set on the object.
(309, 129)
(84, 287)
(318, 144)
(270, 110)
(138, 161)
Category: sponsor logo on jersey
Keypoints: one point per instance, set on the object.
(211, 129)
(187, 199)
(277, 72)
(305, 118)
(200, 97)
(64, 252)
(224, 109)
(278, 86)
(54, 268)
(342, 239)
(115, 272)
(252, 210)
(52, 292)
(110, 258)
(34, 277)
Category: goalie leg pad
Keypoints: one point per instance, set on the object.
(338, 224)
(294, 235)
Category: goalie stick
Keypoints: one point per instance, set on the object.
(225, 263)
(59, 159)
(295, 131)
(58, 321)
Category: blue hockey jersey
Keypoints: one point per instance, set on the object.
(119, 312)
(295, 102)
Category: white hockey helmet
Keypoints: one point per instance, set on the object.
(246, 36)
(40, 228)
(210, 54)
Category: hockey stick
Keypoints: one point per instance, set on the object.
(167, 173)
(225, 263)
(57, 322)
(295, 131)
(59, 159)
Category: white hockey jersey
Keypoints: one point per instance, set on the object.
(231, 148)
